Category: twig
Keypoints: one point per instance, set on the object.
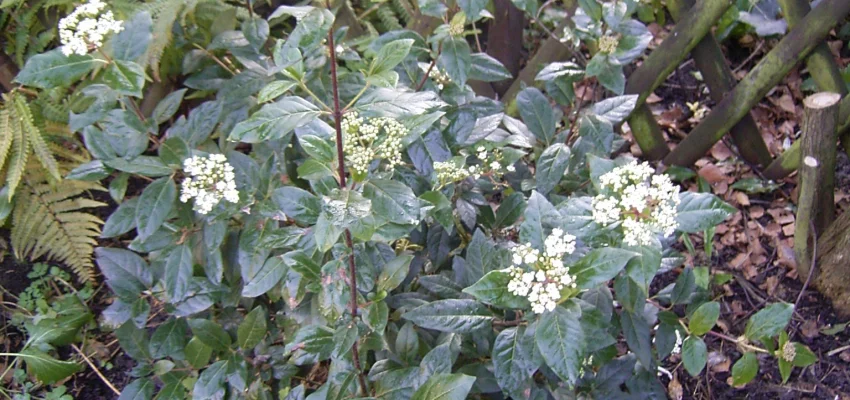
(812, 267)
(838, 350)
(96, 371)
(430, 67)
(352, 268)
(737, 342)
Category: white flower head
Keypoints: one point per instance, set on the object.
(86, 26)
(368, 139)
(208, 180)
(642, 203)
(542, 285)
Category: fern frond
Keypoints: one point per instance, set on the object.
(48, 221)
(404, 9)
(34, 137)
(388, 19)
(165, 12)
(17, 157)
(6, 134)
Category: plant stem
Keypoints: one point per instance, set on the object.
(352, 268)
(430, 67)
(738, 342)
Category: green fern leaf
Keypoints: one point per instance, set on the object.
(48, 221)
(18, 156)
(6, 134)
(34, 137)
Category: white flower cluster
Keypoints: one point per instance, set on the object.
(492, 162)
(608, 44)
(440, 78)
(449, 172)
(543, 285)
(86, 26)
(209, 179)
(645, 204)
(367, 139)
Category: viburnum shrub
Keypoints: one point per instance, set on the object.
(325, 217)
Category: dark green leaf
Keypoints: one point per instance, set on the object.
(133, 341)
(126, 273)
(486, 68)
(210, 383)
(644, 266)
(492, 289)
(392, 200)
(456, 59)
(133, 40)
(173, 151)
(256, 31)
(445, 387)
(393, 273)
(551, 167)
(169, 339)
(694, 355)
(451, 315)
(537, 114)
(615, 109)
(54, 69)
(539, 215)
(197, 353)
(178, 273)
(407, 342)
(704, 318)
(121, 221)
(600, 265)
(252, 329)
(125, 77)
(636, 332)
(560, 339)
(390, 55)
(745, 369)
(769, 321)
(609, 74)
(265, 278)
(699, 211)
(46, 368)
(311, 344)
(155, 204)
(140, 389)
(274, 120)
(513, 363)
(210, 334)
(344, 338)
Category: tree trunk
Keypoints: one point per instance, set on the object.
(504, 40)
(833, 275)
(815, 206)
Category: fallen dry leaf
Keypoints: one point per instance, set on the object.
(810, 329)
(675, 390)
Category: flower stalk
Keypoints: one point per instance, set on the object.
(352, 268)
